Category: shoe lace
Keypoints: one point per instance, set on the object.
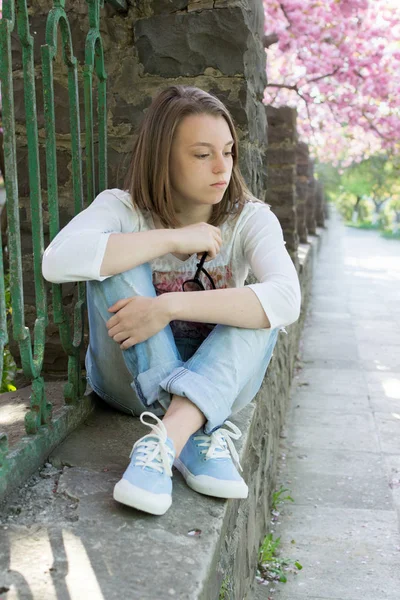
(153, 451)
(219, 444)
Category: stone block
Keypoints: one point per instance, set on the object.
(301, 221)
(311, 200)
(253, 13)
(197, 5)
(287, 219)
(280, 135)
(284, 175)
(164, 7)
(186, 44)
(319, 205)
(252, 165)
(280, 197)
(302, 153)
(281, 156)
(284, 116)
(302, 170)
(23, 171)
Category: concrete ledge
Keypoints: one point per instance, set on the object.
(199, 548)
(30, 452)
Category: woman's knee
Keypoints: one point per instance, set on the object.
(135, 282)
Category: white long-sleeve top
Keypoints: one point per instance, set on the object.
(254, 241)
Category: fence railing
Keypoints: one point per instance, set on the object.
(15, 25)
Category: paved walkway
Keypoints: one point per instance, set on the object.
(341, 459)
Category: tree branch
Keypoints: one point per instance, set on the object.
(374, 128)
(324, 76)
(295, 88)
(270, 39)
(284, 86)
(283, 9)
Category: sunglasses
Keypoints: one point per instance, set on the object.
(195, 285)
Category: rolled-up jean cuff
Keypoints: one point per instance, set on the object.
(201, 391)
(146, 385)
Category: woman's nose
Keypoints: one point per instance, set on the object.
(219, 164)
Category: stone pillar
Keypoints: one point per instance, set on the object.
(281, 161)
(311, 201)
(302, 158)
(319, 204)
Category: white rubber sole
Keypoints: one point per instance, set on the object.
(155, 504)
(209, 486)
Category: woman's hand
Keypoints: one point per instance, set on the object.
(199, 238)
(136, 319)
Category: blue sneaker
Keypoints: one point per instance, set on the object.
(146, 483)
(206, 463)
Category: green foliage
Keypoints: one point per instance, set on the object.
(7, 293)
(272, 567)
(389, 235)
(9, 367)
(9, 372)
(224, 589)
(330, 177)
(366, 193)
(362, 225)
(279, 498)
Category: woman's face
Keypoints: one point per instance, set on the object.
(201, 157)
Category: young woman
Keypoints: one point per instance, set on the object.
(173, 328)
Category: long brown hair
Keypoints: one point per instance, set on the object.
(147, 179)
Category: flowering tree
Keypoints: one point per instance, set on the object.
(338, 62)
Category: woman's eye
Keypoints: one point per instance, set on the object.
(205, 155)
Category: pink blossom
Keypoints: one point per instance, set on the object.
(343, 59)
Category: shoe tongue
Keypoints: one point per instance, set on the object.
(151, 438)
(157, 459)
(156, 439)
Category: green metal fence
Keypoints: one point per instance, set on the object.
(15, 22)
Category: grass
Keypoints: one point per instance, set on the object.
(279, 498)
(362, 225)
(224, 589)
(386, 233)
(389, 235)
(271, 565)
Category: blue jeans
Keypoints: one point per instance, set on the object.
(220, 374)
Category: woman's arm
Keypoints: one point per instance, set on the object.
(104, 239)
(92, 245)
(273, 302)
(237, 307)
(138, 318)
(126, 251)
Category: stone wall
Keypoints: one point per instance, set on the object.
(311, 200)
(281, 171)
(302, 158)
(246, 522)
(215, 45)
(319, 204)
